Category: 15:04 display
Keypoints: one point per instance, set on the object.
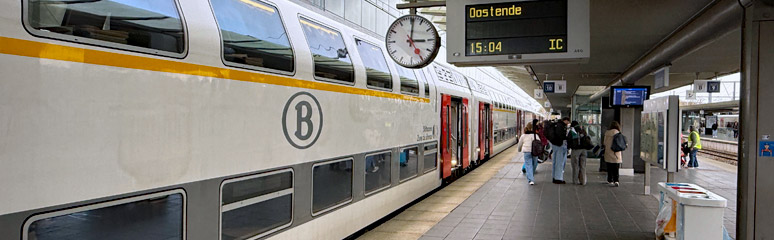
(486, 47)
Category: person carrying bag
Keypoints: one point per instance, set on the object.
(615, 143)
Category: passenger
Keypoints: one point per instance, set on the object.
(578, 155)
(613, 159)
(715, 130)
(525, 146)
(695, 145)
(559, 146)
(535, 127)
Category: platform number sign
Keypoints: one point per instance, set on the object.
(548, 87)
(713, 86)
(302, 120)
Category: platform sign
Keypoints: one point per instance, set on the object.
(549, 87)
(713, 86)
(539, 93)
(487, 32)
(661, 77)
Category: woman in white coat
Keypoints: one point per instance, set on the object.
(525, 146)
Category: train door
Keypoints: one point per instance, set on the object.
(484, 130)
(454, 128)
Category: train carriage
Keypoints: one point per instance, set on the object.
(221, 119)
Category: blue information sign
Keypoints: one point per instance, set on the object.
(629, 96)
(548, 87)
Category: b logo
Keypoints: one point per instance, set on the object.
(307, 120)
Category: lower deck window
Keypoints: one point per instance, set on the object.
(408, 163)
(430, 157)
(331, 184)
(153, 216)
(377, 171)
(255, 206)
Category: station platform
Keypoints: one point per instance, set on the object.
(495, 202)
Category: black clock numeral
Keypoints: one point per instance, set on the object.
(390, 41)
(429, 29)
(394, 51)
(393, 31)
(428, 50)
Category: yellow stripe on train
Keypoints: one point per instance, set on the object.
(35, 49)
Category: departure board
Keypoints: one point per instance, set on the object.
(516, 28)
(491, 32)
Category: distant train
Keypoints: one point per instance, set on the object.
(223, 119)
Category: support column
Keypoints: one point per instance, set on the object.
(755, 215)
(628, 128)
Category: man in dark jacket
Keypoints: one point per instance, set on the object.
(560, 151)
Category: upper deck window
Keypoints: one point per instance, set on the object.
(408, 81)
(153, 26)
(253, 35)
(377, 72)
(331, 58)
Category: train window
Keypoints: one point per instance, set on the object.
(377, 72)
(255, 206)
(331, 58)
(408, 162)
(377, 171)
(430, 157)
(425, 81)
(331, 185)
(408, 81)
(253, 35)
(152, 26)
(153, 216)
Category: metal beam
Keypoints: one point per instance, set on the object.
(712, 23)
(423, 4)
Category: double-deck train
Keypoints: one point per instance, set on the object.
(224, 119)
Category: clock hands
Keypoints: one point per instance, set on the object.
(416, 50)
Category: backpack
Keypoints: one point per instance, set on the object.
(557, 134)
(537, 146)
(619, 143)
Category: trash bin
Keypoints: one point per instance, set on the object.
(699, 213)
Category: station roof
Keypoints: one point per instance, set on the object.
(622, 33)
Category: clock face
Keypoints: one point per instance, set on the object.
(412, 41)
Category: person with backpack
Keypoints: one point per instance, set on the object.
(557, 135)
(535, 129)
(612, 157)
(530, 146)
(694, 146)
(578, 145)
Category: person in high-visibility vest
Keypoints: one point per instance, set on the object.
(695, 145)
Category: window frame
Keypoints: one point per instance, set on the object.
(400, 82)
(107, 44)
(111, 203)
(352, 186)
(392, 79)
(417, 173)
(252, 67)
(375, 191)
(276, 195)
(302, 17)
(434, 152)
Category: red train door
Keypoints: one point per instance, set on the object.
(464, 135)
(490, 131)
(481, 131)
(445, 145)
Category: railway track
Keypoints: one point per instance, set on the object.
(728, 157)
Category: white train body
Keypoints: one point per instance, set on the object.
(87, 126)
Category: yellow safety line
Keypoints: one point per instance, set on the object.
(35, 49)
